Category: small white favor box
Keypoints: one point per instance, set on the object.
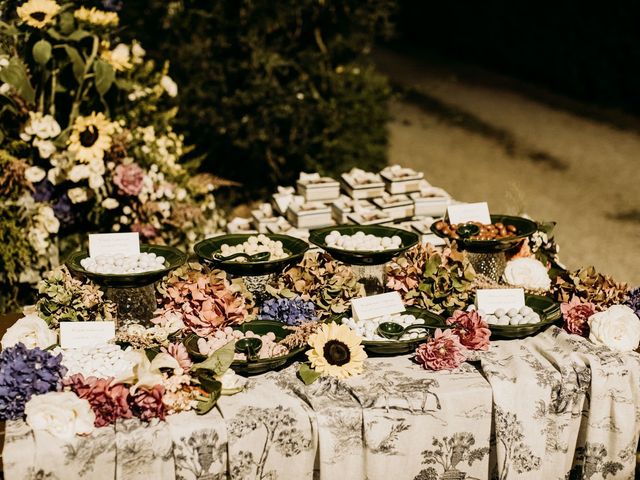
(241, 225)
(370, 217)
(341, 208)
(396, 206)
(284, 197)
(263, 216)
(310, 215)
(431, 202)
(401, 180)
(315, 188)
(359, 184)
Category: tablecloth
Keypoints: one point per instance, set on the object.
(551, 407)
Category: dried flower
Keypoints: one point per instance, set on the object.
(471, 329)
(179, 352)
(432, 280)
(128, 178)
(320, 279)
(147, 403)
(444, 352)
(25, 373)
(290, 311)
(590, 286)
(576, 313)
(108, 402)
(300, 334)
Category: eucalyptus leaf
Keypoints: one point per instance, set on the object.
(77, 62)
(15, 74)
(219, 361)
(104, 76)
(307, 374)
(42, 52)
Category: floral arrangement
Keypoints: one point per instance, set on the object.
(617, 327)
(576, 315)
(86, 142)
(528, 273)
(433, 280)
(292, 311)
(328, 284)
(590, 286)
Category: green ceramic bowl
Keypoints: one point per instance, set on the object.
(206, 249)
(548, 310)
(409, 239)
(525, 228)
(173, 259)
(397, 347)
(260, 327)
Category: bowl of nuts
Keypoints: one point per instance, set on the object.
(245, 254)
(503, 233)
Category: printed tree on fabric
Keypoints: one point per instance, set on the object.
(448, 453)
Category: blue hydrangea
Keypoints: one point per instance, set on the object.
(25, 373)
(633, 300)
(290, 311)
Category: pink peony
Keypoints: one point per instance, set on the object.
(108, 402)
(472, 330)
(443, 352)
(179, 352)
(147, 403)
(128, 178)
(576, 313)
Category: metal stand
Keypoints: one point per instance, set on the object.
(490, 265)
(371, 276)
(134, 304)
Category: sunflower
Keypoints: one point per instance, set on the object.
(97, 17)
(91, 137)
(38, 13)
(336, 350)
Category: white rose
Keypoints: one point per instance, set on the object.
(77, 195)
(527, 272)
(34, 174)
(79, 172)
(46, 148)
(47, 218)
(30, 330)
(618, 328)
(62, 414)
(231, 382)
(110, 203)
(169, 85)
(96, 181)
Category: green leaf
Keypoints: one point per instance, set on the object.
(77, 63)
(307, 374)
(66, 23)
(207, 403)
(104, 76)
(8, 29)
(219, 361)
(15, 74)
(42, 52)
(78, 35)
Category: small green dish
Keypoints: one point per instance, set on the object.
(398, 347)
(548, 310)
(352, 257)
(173, 259)
(260, 327)
(525, 228)
(206, 250)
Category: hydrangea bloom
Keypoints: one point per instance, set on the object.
(290, 311)
(633, 300)
(25, 373)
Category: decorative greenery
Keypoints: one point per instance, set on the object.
(274, 88)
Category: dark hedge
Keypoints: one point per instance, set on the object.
(270, 88)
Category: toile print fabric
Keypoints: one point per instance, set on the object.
(549, 407)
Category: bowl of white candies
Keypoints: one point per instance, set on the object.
(363, 244)
(121, 264)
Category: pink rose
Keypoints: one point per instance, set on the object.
(472, 330)
(443, 352)
(576, 313)
(128, 178)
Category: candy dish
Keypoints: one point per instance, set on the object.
(364, 257)
(546, 308)
(208, 249)
(253, 366)
(124, 264)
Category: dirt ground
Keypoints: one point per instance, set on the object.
(486, 139)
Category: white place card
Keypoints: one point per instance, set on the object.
(86, 334)
(114, 243)
(469, 212)
(489, 300)
(374, 306)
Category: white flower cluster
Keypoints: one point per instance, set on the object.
(360, 241)
(43, 225)
(120, 264)
(42, 129)
(256, 244)
(102, 361)
(367, 329)
(164, 150)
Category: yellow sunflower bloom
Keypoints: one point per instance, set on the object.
(97, 17)
(336, 350)
(91, 137)
(38, 13)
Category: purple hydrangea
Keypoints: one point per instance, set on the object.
(63, 211)
(633, 300)
(290, 311)
(25, 373)
(112, 5)
(42, 191)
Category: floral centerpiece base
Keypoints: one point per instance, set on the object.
(489, 264)
(372, 277)
(133, 304)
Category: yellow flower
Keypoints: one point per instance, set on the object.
(97, 17)
(91, 137)
(336, 350)
(119, 57)
(38, 13)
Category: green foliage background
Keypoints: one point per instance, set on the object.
(270, 88)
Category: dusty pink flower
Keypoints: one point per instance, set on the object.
(108, 402)
(147, 403)
(179, 352)
(472, 330)
(128, 178)
(443, 352)
(576, 313)
(145, 230)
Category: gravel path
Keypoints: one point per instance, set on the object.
(482, 142)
